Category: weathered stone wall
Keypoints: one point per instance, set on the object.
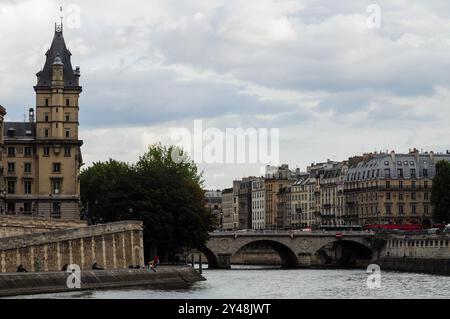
(112, 246)
(19, 225)
(49, 282)
(256, 258)
(418, 246)
(421, 265)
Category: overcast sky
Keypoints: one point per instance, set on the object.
(314, 69)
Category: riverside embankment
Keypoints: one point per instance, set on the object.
(14, 284)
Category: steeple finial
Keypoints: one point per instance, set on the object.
(59, 28)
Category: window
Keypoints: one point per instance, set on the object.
(56, 167)
(425, 195)
(57, 110)
(425, 209)
(405, 163)
(425, 172)
(67, 133)
(27, 208)
(11, 132)
(413, 184)
(400, 184)
(27, 168)
(399, 163)
(56, 186)
(413, 209)
(400, 196)
(46, 102)
(388, 210)
(67, 151)
(46, 151)
(413, 172)
(386, 162)
(46, 116)
(413, 196)
(387, 172)
(46, 132)
(400, 172)
(27, 187)
(67, 102)
(11, 187)
(67, 117)
(11, 167)
(56, 210)
(400, 209)
(11, 151)
(28, 151)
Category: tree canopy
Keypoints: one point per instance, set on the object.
(440, 194)
(162, 190)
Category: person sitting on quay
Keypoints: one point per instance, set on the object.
(151, 266)
(95, 266)
(21, 268)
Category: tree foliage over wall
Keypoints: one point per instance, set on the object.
(440, 195)
(163, 191)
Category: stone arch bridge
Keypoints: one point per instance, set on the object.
(296, 249)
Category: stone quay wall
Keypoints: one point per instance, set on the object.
(426, 246)
(112, 246)
(21, 225)
(51, 282)
(416, 265)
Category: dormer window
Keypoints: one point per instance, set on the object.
(28, 132)
(11, 132)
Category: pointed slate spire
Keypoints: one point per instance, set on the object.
(58, 49)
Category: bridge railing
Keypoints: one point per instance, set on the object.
(293, 232)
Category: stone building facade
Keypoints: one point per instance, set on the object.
(227, 209)
(392, 188)
(213, 203)
(258, 204)
(41, 158)
(332, 198)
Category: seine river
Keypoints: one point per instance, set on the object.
(260, 282)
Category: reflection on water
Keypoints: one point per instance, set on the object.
(266, 282)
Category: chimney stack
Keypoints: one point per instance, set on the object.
(393, 156)
(31, 115)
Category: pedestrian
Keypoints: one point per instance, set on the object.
(156, 261)
(151, 266)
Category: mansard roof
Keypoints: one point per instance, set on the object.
(58, 48)
(22, 130)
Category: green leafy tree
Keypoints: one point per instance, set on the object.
(440, 195)
(163, 189)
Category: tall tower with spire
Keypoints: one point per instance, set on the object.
(58, 148)
(40, 159)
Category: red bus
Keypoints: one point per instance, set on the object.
(408, 227)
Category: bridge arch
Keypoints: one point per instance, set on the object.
(343, 252)
(210, 256)
(287, 256)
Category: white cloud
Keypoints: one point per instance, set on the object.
(311, 68)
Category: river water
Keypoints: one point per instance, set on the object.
(263, 282)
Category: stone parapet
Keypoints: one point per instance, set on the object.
(22, 225)
(112, 246)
